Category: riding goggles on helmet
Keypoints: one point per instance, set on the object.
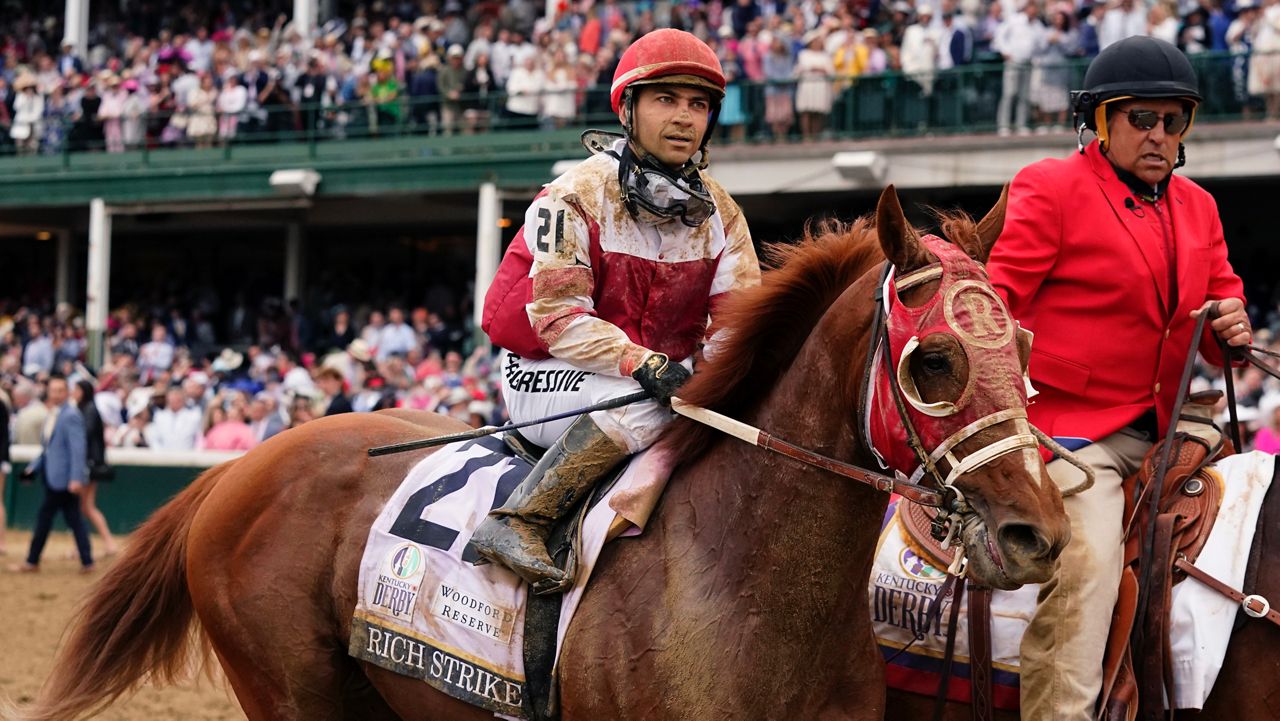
(655, 195)
(651, 192)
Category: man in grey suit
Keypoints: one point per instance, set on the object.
(264, 421)
(62, 463)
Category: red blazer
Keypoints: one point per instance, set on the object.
(1089, 275)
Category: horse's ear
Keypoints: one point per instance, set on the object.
(990, 226)
(899, 241)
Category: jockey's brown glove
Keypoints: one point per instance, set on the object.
(661, 377)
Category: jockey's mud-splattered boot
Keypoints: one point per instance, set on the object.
(515, 535)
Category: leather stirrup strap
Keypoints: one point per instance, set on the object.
(1253, 605)
(1228, 376)
(1153, 675)
(1146, 585)
(981, 701)
(940, 701)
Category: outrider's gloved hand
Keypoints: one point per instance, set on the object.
(661, 377)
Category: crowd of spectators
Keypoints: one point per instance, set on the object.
(213, 73)
(152, 391)
(209, 72)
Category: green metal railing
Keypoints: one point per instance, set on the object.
(959, 100)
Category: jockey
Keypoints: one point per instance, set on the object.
(609, 288)
(1109, 258)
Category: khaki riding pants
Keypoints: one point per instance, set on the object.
(1063, 646)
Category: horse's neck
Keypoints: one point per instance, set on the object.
(797, 539)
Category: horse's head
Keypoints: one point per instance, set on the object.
(952, 384)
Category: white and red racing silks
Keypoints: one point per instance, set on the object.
(584, 282)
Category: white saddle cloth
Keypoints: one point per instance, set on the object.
(426, 611)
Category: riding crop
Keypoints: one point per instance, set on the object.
(490, 430)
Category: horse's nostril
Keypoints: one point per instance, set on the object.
(1024, 539)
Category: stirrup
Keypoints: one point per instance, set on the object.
(548, 586)
(561, 479)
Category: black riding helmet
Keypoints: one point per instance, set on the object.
(1136, 67)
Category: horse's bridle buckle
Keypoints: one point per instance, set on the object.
(1247, 601)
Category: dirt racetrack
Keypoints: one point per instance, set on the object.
(35, 611)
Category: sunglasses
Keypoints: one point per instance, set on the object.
(1174, 123)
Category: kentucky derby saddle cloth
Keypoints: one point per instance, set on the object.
(424, 610)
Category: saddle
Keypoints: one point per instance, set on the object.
(1188, 506)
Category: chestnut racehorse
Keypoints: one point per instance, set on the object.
(1248, 686)
(745, 598)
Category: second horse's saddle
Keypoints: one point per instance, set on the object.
(1190, 497)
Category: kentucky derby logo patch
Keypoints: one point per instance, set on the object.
(406, 561)
(395, 590)
(977, 315)
(915, 565)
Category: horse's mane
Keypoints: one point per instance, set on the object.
(765, 326)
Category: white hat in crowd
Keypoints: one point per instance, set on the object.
(359, 349)
(228, 360)
(457, 396)
(1267, 406)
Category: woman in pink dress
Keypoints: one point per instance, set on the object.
(230, 434)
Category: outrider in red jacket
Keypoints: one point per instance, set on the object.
(1082, 262)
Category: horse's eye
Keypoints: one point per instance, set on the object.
(935, 363)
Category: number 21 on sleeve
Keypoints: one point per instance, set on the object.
(544, 228)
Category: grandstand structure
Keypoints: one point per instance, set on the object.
(388, 210)
(331, 213)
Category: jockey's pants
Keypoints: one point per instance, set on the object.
(535, 389)
(1062, 649)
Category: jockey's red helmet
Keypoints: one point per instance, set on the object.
(667, 57)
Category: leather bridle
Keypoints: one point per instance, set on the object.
(930, 471)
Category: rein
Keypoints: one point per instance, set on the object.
(916, 492)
